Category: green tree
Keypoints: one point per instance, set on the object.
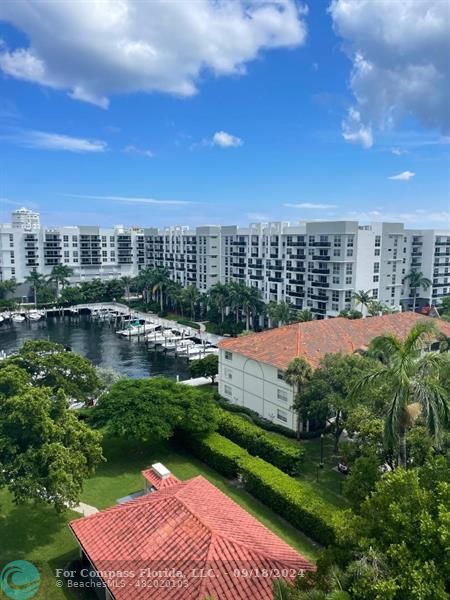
(297, 375)
(36, 281)
(51, 365)
(60, 276)
(46, 451)
(127, 282)
(205, 367)
(363, 299)
(154, 409)
(281, 312)
(160, 283)
(414, 379)
(8, 286)
(304, 315)
(365, 473)
(191, 297)
(72, 294)
(417, 281)
(219, 294)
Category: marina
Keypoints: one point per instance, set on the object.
(112, 336)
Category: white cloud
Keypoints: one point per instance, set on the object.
(398, 151)
(415, 217)
(226, 140)
(311, 205)
(404, 176)
(56, 141)
(130, 149)
(354, 131)
(130, 200)
(101, 47)
(399, 50)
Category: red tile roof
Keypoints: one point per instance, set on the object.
(314, 339)
(159, 483)
(186, 527)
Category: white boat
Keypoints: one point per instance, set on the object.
(182, 344)
(137, 328)
(204, 352)
(35, 315)
(17, 318)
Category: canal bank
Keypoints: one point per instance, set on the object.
(97, 341)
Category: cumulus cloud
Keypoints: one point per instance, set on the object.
(399, 52)
(404, 176)
(98, 48)
(311, 205)
(56, 141)
(226, 140)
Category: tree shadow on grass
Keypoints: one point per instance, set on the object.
(26, 528)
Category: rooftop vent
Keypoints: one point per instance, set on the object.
(160, 470)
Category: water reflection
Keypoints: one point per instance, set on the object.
(97, 341)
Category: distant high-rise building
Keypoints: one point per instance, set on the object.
(316, 265)
(26, 219)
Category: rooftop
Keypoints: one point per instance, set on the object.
(312, 340)
(190, 525)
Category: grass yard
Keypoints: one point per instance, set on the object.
(40, 535)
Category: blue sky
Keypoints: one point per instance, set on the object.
(318, 111)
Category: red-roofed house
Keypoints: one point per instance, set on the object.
(251, 367)
(158, 477)
(188, 541)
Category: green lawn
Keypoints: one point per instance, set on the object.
(39, 534)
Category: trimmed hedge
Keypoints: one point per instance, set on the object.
(296, 501)
(282, 453)
(265, 423)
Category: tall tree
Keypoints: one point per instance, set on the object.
(219, 295)
(417, 281)
(161, 280)
(127, 283)
(36, 281)
(251, 304)
(7, 287)
(191, 296)
(304, 315)
(363, 299)
(414, 380)
(60, 276)
(297, 375)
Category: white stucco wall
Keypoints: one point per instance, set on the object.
(256, 385)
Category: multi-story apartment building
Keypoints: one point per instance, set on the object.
(316, 265)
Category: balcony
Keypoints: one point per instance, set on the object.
(296, 281)
(257, 277)
(296, 269)
(321, 244)
(320, 257)
(297, 256)
(321, 271)
(296, 294)
(320, 284)
(276, 279)
(319, 297)
(296, 244)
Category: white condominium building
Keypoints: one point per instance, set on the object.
(316, 265)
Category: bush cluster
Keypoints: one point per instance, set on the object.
(296, 501)
(283, 453)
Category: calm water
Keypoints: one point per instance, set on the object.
(97, 341)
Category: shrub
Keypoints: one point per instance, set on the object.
(217, 451)
(296, 501)
(283, 453)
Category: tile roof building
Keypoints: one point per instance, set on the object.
(186, 542)
(251, 367)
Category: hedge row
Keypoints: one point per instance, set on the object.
(296, 501)
(265, 423)
(283, 453)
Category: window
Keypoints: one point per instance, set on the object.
(227, 390)
(335, 296)
(377, 252)
(228, 355)
(282, 395)
(348, 280)
(336, 252)
(376, 267)
(336, 280)
(280, 374)
(282, 415)
(349, 252)
(228, 373)
(376, 278)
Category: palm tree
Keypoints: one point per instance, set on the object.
(7, 287)
(282, 312)
(417, 281)
(174, 293)
(362, 299)
(36, 281)
(237, 294)
(251, 304)
(304, 315)
(297, 375)
(145, 282)
(219, 295)
(191, 296)
(161, 279)
(414, 380)
(127, 283)
(60, 275)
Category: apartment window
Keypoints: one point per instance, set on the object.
(336, 280)
(227, 390)
(337, 252)
(377, 252)
(348, 295)
(335, 296)
(349, 269)
(337, 241)
(350, 242)
(74, 238)
(228, 373)
(66, 254)
(349, 252)
(376, 278)
(377, 240)
(334, 306)
(336, 269)
(348, 280)
(282, 415)
(282, 395)
(375, 293)
(228, 355)
(280, 374)
(376, 267)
